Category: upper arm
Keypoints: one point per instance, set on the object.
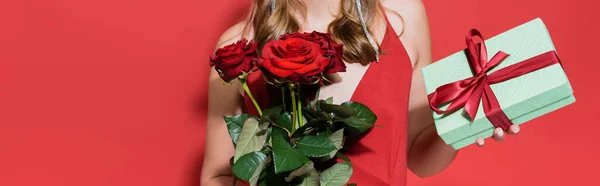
(222, 100)
(416, 39)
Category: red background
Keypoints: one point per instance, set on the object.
(112, 92)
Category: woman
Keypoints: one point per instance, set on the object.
(395, 33)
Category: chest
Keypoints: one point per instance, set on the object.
(344, 84)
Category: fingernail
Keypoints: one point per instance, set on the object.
(500, 133)
(480, 142)
(515, 129)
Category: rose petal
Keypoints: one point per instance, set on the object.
(315, 67)
(267, 51)
(232, 61)
(281, 73)
(285, 64)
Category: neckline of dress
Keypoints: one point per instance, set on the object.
(383, 45)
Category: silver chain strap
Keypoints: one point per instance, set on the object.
(364, 26)
(272, 6)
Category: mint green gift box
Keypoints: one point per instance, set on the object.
(522, 98)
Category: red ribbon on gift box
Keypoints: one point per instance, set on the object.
(467, 93)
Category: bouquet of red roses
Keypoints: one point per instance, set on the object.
(299, 140)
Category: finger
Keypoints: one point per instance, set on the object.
(514, 129)
(499, 134)
(480, 142)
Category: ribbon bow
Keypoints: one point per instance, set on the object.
(467, 93)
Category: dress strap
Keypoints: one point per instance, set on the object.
(389, 28)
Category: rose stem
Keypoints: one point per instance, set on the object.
(283, 98)
(299, 108)
(245, 85)
(295, 110)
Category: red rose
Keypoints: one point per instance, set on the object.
(328, 48)
(235, 59)
(293, 60)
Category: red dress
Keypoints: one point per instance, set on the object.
(379, 158)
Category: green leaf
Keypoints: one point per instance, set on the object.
(279, 133)
(313, 114)
(309, 166)
(357, 124)
(352, 184)
(336, 175)
(272, 113)
(338, 140)
(268, 177)
(285, 120)
(324, 131)
(307, 128)
(248, 140)
(310, 179)
(362, 112)
(285, 156)
(259, 171)
(249, 165)
(329, 100)
(315, 146)
(266, 151)
(263, 128)
(339, 110)
(343, 157)
(267, 139)
(234, 125)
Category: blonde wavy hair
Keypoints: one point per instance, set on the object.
(346, 28)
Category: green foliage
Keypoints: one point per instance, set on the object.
(285, 120)
(338, 141)
(234, 125)
(310, 179)
(272, 112)
(270, 151)
(336, 175)
(286, 158)
(249, 165)
(250, 139)
(315, 146)
(362, 112)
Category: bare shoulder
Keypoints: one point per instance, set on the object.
(409, 20)
(233, 34)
